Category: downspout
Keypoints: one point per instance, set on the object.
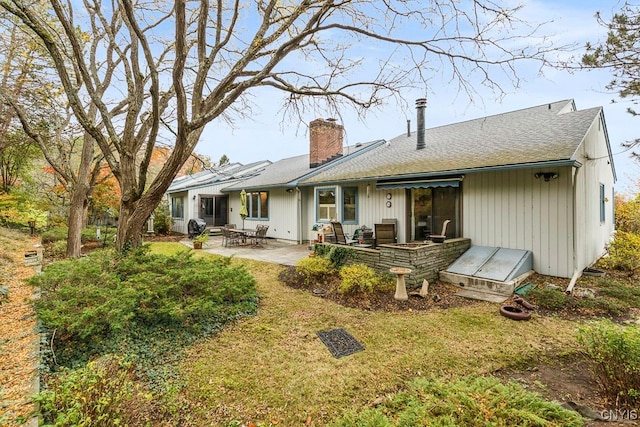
(299, 208)
(576, 273)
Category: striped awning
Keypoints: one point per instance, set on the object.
(422, 183)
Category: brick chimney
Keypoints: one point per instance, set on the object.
(325, 141)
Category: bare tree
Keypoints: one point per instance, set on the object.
(34, 101)
(159, 72)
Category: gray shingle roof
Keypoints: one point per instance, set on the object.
(228, 172)
(288, 171)
(548, 132)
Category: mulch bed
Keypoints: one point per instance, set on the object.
(441, 295)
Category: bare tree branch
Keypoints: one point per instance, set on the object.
(159, 71)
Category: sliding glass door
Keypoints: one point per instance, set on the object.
(430, 207)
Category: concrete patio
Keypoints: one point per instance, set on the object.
(271, 251)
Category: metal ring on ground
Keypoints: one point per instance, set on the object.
(514, 313)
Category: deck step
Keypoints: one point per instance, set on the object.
(215, 231)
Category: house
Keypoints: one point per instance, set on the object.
(200, 196)
(538, 179)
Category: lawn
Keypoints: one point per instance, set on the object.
(273, 369)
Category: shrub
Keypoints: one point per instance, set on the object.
(88, 234)
(627, 214)
(358, 278)
(18, 208)
(615, 353)
(104, 392)
(162, 220)
(96, 300)
(54, 234)
(59, 233)
(338, 255)
(58, 248)
(550, 299)
(624, 252)
(321, 250)
(315, 269)
(467, 401)
(82, 299)
(627, 291)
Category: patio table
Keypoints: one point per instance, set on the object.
(244, 232)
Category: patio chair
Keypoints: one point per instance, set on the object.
(385, 234)
(230, 226)
(338, 232)
(439, 238)
(395, 226)
(229, 237)
(260, 234)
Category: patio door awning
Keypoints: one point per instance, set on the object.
(422, 183)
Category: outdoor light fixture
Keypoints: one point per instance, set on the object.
(548, 176)
(289, 190)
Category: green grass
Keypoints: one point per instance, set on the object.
(167, 248)
(273, 368)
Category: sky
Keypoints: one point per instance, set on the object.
(265, 137)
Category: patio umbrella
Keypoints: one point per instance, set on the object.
(243, 206)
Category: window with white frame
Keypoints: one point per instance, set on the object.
(349, 205)
(325, 204)
(177, 207)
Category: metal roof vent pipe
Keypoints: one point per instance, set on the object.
(421, 105)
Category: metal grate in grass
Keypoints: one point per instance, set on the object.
(340, 342)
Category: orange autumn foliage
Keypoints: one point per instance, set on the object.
(160, 156)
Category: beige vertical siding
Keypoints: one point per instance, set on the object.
(593, 235)
(513, 209)
(282, 221)
(180, 224)
(371, 209)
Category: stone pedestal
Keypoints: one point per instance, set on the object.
(401, 288)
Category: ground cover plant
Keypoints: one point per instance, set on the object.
(144, 307)
(470, 401)
(614, 295)
(103, 392)
(56, 237)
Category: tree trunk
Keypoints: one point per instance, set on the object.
(134, 209)
(80, 199)
(131, 221)
(76, 220)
